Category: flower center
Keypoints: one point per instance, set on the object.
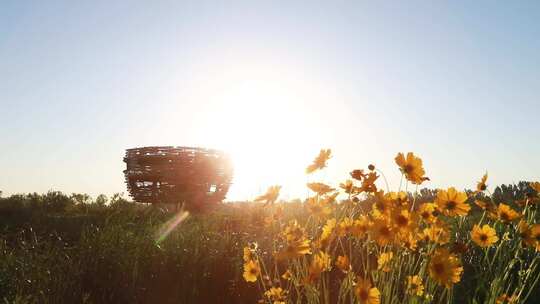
(483, 237)
(386, 232)
(408, 169)
(439, 268)
(451, 205)
(401, 221)
(363, 294)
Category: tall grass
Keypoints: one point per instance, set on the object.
(57, 248)
(96, 253)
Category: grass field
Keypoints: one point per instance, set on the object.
(57, 250)
(111, 254)
(367, 246)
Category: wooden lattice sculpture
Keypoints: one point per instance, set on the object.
(195, 176)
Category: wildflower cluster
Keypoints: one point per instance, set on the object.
(362, 244)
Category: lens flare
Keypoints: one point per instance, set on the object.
(170, 225)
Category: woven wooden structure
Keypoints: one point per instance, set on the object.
(196, 176)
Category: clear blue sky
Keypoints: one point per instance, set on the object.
(457, 82)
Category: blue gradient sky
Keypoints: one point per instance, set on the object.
(458, 82)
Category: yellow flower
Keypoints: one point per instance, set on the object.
(320, 188)
(383, 260)
(381, 206)
(270, 196)
(318, 207)
(535, 186)
(525, 232)
(411, 167)
(427, 212)
(381, 232)
(402, 221)
(452, 202)
(399, 199)
(287, 275)
(320, 161)
(251, 271)
(484, 205)
(368, 184)
(365, 293)
(415, 286)
(409, 240)
(481, 185)
(328, 228)
(294, 249)
(506, 214)
(276, 295)
(360, 227)
(436, 233)
(327, 234)
(343, 263)
(485, 236)
(293, 232)
(445, 268)
(505, 299)
(297, 244)
(345, 226)
(535, 235)
(349, 187)
(321, 262)
(329, 199)
(358, 174)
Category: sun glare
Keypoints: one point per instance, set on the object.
(267, 132)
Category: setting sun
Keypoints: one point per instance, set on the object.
(262, 121)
